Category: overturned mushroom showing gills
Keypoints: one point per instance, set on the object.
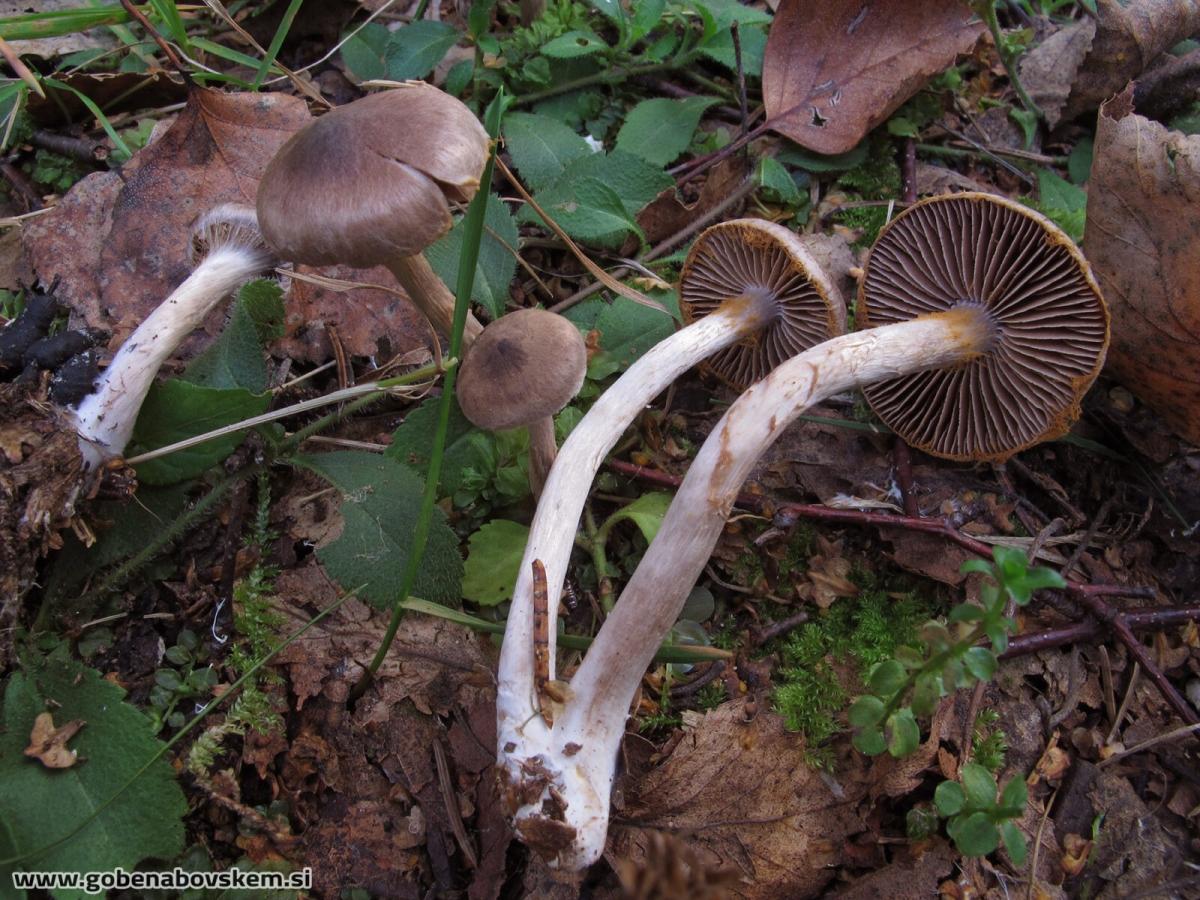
(370, 183)
(769, 279)
(227, 251)
(994, 264)
(523, 369)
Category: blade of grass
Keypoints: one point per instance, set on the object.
(285, 25)
(667, 653)
(33, 26)
(195, 720)
(468, 257)
(121, 148)
(169, 13)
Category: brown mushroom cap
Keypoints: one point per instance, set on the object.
(1051, 324)
(525, 366)
(368, 182)
(755, 257)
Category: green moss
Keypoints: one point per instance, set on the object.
(878, 178)
(823, 661)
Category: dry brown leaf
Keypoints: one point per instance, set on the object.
(1081, 66)
(1143, 239)
(783, 828)
(913, 875)
(835, 70)
(48, 745)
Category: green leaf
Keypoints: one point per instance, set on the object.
(975, 835)
(541, 147)
(168, 679)
(574, 44)
(497, 262)
(1079, 162)
(646, 512)
(133, 526)
(887, 678)
(381, 498)
(1010, 561)
(1014, 843)
(494, 561)
(949, 798)
(610, 8)
(660, 129)
(726, 12)
(774, 179)
(1028, 122)
(927, 692)
(415, 49)
(1014, 797)
(980, 662)
(1041, 577)
(977, 565)
(116, 741)
(979, 785)
(997, 633)
(646, 15)
(869, 741)
(627, 329)
(631, 178)
(468, 449)
(174, 410)
(1063, 202)
(965, 612)
(235, 358)
(602, 209)
(719, 48)
(796, 156)
(365, 54)
(903, 734)
(866, 711)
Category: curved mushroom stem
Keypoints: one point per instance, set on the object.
(574, 761)
(542, 451)
(432, 296)
(105, 418)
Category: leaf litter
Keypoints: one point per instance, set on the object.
(396, 796)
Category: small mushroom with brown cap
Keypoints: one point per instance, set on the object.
(982, 274)
(741, 278)
(369, 184)
(523, 369)
(227, 250)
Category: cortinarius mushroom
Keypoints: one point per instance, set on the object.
(524, 368)
(993, 260)
(227, 250)
(369, 184)
(763, 278)
(1050, 326)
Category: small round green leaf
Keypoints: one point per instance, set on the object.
(979, 785)
(167, 679)
(866, 711)
(1014, 842)
(887, 678)
(902, 733)
(870, 741)
(980, 662)
(949, 798)
(975, 835)
(1014, 797)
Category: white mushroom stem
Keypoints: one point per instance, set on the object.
(574, 761)
(105, 418)
(552, 533)
(432, 296)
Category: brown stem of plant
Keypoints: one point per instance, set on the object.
(167, 49)
(1092, 630)
(80, 148)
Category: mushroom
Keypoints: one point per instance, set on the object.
(991, 284)
(524, 368)
(369, 184)
(770, 281)
(227, 250)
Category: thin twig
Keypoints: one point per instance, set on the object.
(1150, 742)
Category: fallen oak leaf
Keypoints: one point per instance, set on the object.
(48, 745)
(835, 70)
